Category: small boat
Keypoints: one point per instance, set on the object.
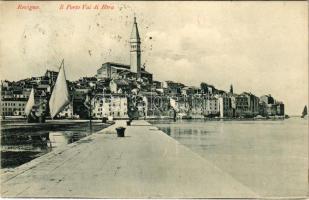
(304, 113)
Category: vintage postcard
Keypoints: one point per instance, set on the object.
(136, 99)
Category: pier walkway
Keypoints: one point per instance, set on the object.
(146, 163)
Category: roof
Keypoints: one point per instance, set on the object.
(144, 72)
(125, 72)
(117, 65)
(135, 33)
(121, 82)
(52, 72)
(190, 88)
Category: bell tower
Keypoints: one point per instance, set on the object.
(135, 50)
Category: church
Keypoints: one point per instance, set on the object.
(111, 70)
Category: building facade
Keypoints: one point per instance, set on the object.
(13, 107)
(110, 105)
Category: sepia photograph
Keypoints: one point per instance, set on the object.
(154, 99)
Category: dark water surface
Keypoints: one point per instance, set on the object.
(270, 157)
(22, 142)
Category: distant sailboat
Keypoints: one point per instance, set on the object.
(60, 97)
(304, 113)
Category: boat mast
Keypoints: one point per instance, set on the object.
(60, 96)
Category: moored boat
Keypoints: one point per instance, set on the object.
(60, 97)
(305, 113)
(35, 113)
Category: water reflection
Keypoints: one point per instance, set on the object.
(21, 143)
(58, 139)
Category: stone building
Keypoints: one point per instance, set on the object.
(13, 107)
(67, 112)
(112, 70)
(211, 107)
(225, 106)
(270, 107)
(247, 105)
(110, 105)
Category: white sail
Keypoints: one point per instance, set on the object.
(173, 104)
(30, 103)
(60, 96)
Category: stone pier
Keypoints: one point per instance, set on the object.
(146, 163)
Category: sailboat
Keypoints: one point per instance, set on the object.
(60, 97)
(34, 112)
(30, 113)
(58, 101)
(304, 113)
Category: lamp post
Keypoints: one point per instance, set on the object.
(104, 118)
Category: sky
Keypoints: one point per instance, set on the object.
(259, 47)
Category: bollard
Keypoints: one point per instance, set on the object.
(120, 131)
(104, 119)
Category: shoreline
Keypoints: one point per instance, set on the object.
(145, 163)
(50, 121)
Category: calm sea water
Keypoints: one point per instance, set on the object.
(270, 157)
(22, 142)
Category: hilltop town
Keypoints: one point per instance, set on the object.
(116, 86)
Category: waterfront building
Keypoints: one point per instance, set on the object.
(270, 107)
(225, 106)
(263, 109)
(280, 109)
(67, 112)
(247, 105)
(268, 99)
(184, 105)
(110, 105)
(253, 104)
(211, 107)
(13, 106)
(242, 106)
(196, 105)
(158, 105)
